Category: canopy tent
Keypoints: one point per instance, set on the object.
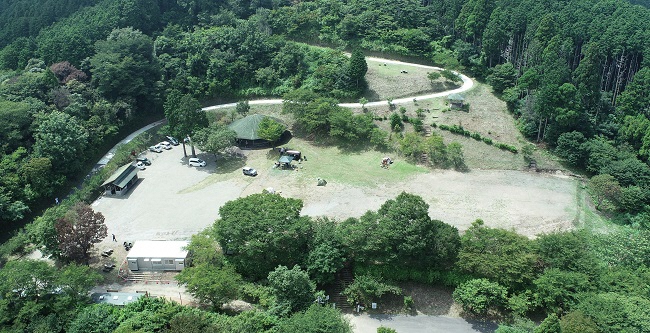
(247, 131)
(285, 159)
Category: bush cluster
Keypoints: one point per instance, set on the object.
(457, 129)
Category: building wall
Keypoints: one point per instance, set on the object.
(159, 264)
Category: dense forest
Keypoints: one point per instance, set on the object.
(575, 76)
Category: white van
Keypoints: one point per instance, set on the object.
(195, 162)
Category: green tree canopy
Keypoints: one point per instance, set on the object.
(402, 234)
(210, 283)
(292, 288)
(184, 115)
(498, 255)
(479, 296)
(357, 69)
(215, 138)
(124, 67)
(270, 129)
(263, 231)
(315, 320)
(62, 139)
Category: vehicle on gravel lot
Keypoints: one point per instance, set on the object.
(248, 171)
(165, 145)
(196, 162)
(172, 140)
(156, 149)
(144, 160)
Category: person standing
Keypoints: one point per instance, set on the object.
(114, 239)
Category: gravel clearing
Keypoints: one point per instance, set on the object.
(172, 200)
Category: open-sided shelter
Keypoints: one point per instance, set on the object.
(158, 256)
(247, 131)
(456, 100)
(121, 180)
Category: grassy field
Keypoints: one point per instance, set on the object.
(330, 163)
(384, 78)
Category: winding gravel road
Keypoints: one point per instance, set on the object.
(467, 85)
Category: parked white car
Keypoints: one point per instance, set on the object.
(165, 145)
(248, 171)
(196, 162)
(155, 149)
(140, 166)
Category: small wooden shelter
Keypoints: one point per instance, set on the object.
(121, 180)
(456, 101)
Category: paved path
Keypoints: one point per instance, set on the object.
(109, 155)
(467, 85)
(418, 324)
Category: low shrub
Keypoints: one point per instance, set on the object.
(487, 140)
(476, 136)
(418, 126)
(504, 146)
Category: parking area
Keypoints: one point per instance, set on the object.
(156, 209)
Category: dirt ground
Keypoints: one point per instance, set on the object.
(167, 203)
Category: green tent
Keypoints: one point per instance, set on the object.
(286, 159)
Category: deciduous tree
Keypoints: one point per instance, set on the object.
(479, 296)
(124, 67)
(604, 187)
(263, 231)
(498, 255)
(210, 283)
(184, 116)
(401, 234)
(79, 231)
(62, 139)
(270, 130)
(215, 138)
(293, 289)
(316, 319)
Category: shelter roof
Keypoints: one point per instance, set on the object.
(116, 298)
(247, 127)
(122, 175)
(158, 249)
(456, 97)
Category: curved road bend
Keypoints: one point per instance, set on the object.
(467, 85)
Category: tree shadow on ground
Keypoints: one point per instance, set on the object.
(371, 95)
(228, 164)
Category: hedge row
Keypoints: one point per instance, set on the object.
(456, 129)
